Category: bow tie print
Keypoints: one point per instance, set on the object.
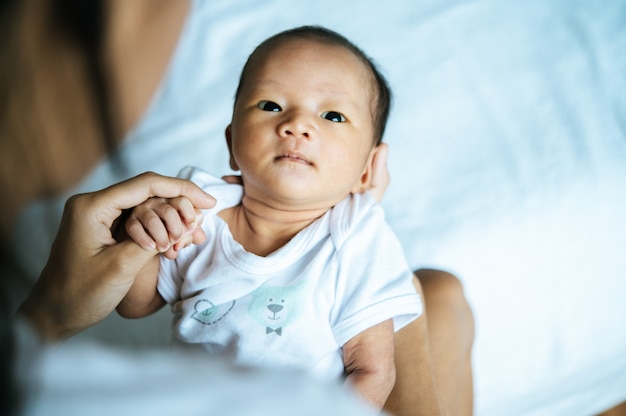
(278, 331)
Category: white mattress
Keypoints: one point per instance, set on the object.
(508, 161)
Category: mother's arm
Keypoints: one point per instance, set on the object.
(433, 353)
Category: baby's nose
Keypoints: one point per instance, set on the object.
(296, 125)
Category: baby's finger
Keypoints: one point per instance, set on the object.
(172, 221)
(193, 234)
(171, 253)
(137, 233)
(185, 241)
(155, 227)
(185, 209)
(198, 236)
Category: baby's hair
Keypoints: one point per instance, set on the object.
(381, 90)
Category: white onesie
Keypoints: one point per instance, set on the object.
(297, 307)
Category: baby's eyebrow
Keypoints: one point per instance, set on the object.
(264, 84)
(265, 87)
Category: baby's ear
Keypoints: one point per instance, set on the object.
(228, 133)
(375, 179)
(365, 181)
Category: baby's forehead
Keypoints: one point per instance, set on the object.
(269, 51)
(278, 46)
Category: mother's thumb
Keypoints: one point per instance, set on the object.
(124, 260)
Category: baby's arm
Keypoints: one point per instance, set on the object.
(163, 226)
(368, 359)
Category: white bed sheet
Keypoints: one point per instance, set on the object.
(508, 163)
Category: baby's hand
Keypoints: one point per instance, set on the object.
(165, 225)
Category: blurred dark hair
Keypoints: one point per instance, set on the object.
(382, 91)
(10, 397)
(82, 24)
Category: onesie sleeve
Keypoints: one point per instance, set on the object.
(172, 272)
(169, 281)
(374, 282)
(225, 194)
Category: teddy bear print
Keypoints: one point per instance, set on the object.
(276, 307)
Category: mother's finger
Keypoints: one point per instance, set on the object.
(109, 202)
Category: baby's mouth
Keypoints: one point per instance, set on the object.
(293, 157)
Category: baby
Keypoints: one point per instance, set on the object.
(299, 268)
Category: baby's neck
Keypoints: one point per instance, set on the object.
(262, 229)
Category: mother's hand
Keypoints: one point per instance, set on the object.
(88, 272)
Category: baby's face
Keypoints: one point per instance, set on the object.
(302, 128)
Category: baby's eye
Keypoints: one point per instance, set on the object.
(333, 116)
(269, 106)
